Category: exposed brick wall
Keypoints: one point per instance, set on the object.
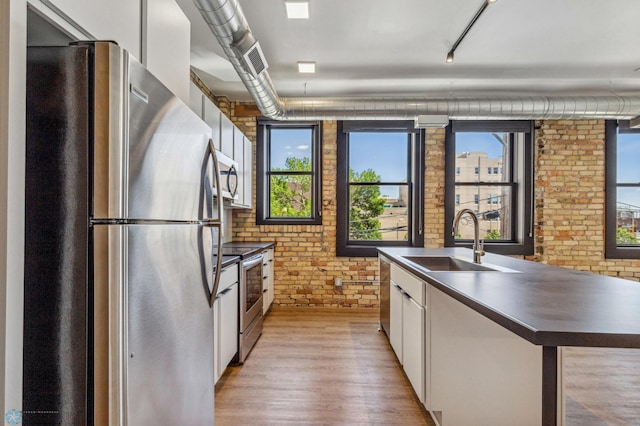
(569, 215)
(570, 198)
(434, 226)
(305, 255)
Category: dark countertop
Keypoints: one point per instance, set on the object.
(546, 305)
(246, 249)
(229, 260)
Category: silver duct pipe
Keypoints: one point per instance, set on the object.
(229, 25)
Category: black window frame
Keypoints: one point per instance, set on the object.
(263, 138)
(612, 249)
(415, 164)
(522, 242)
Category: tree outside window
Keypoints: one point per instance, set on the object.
(376, 189)
(288, 173)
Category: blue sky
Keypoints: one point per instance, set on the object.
(385, 153)
(289, 143)
(479, 142)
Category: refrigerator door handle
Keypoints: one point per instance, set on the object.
(218, 266)
(232, 172)
(216, 172)
(218, 269)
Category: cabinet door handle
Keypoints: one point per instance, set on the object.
(265, 290)
(417, 304)
(225, 291)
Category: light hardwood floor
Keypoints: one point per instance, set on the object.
(314, 367)
(602, 386)
(322, 367)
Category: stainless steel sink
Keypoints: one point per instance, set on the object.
(446, 263)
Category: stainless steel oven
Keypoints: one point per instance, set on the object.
(250, 305)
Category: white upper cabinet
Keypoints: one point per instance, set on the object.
(230, 140)
(238, 156)
(247, 173)
(117, 20)
(156, 32)
(166, 40)
(226, 136)
(243, 154)
(212, 117)
(196, 100)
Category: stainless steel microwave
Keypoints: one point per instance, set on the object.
(228, 176)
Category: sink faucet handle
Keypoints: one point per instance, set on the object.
(480, 248)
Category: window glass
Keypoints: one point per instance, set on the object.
(379, 187)
(290, 196)
(491, 206)
(288, 177)
(290, 149)
(378, 157)
(628, 190)
(378, 212)
(628, 149)
(483, 152)
(495, 161)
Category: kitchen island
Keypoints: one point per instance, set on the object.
(492, 338)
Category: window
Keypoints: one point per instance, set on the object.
(379, 186)
(457, 170)
(288, 174)
(622, 240)
(476, 170)
(504, 203)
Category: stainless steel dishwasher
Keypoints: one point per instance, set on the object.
(385, 294)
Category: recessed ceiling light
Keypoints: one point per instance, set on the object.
(297, 9)
(307, 67)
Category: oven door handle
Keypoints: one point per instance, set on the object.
(252, 261)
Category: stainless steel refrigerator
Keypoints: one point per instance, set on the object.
(123, 228)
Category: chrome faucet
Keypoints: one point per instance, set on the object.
(478, 250)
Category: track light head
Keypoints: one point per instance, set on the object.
(449, 57)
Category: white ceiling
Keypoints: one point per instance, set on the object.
(398, 47)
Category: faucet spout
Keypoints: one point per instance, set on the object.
(478, 250)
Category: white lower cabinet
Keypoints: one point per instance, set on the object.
(413, 347)
(395, 332)
(482, 373)
(409, 331)
(267, 281)
(225, 320)
(228, 329)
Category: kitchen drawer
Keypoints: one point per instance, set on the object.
(268, 257)
(228, 277)
(409, 283)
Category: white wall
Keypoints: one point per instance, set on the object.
(13, 42)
